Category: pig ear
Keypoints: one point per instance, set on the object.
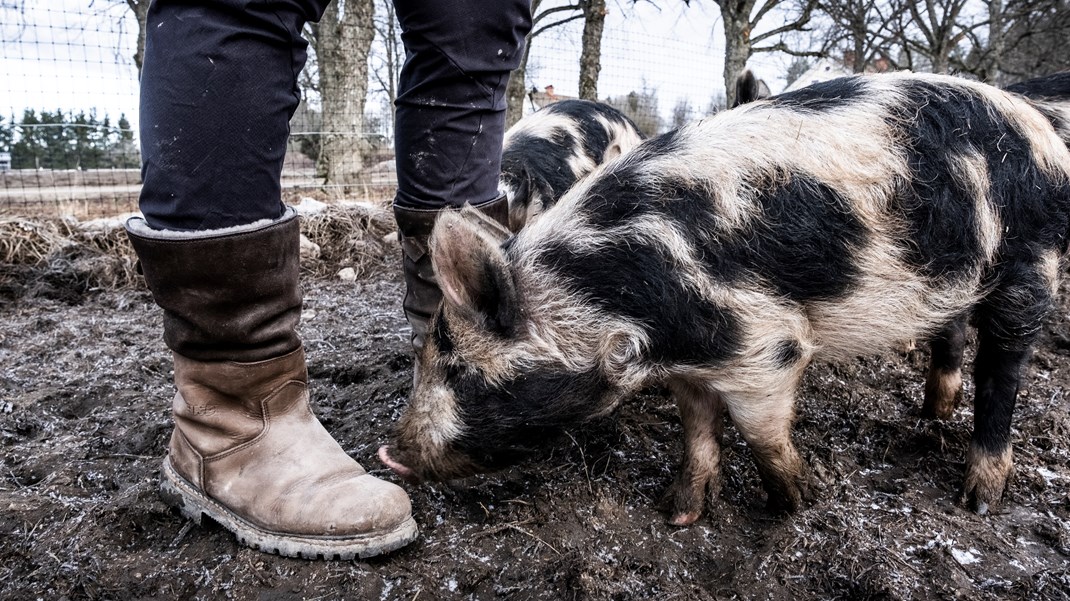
(518, 213)
(612, 152)
(472, 270)
(481, 220)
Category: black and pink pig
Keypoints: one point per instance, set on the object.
(722, 258)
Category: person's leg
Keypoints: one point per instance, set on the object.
(220, 254)
(450, 124)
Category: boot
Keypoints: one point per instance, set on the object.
(422, 294)
(247, 450)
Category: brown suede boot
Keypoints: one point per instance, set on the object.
(247, 450)
(422, 294)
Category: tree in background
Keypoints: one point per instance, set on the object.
(27, 150)
(53, 135)
(641, 107)
(741, 18)
(1035, 37)
(543, 19)
(796, 69)
(682, 113)
(124, 153)
(1021, 39)
(594, 22)
(342, 41)
(930, 32)
(55, 140)
(140, 10)
(865, 27)
(7, 135)
(389, 54)
(718, 103)
(87, 141)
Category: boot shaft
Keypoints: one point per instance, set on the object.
(228, 295)
(422, 293)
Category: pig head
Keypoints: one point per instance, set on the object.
(498, 378)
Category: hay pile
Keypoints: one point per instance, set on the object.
(63, 258)
(358, 235)
(66, 259)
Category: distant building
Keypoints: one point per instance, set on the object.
(5, 161)
(540, 99)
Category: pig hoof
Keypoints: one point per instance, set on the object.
(685, 519)
(981, 501)
(790, 498)
(987, 475)
(686, 498)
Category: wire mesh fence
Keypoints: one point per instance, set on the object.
(69, 96)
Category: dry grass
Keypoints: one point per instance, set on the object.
(66, 255)
(61, 256)
(350, 235)
(25, 241)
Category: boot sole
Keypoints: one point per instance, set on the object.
(181, 494)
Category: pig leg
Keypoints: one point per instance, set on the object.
(989, 462)
(1007, 323)
(943, 387)
(702, 415)
(765, 421)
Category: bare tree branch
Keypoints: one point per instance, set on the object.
(554, 24)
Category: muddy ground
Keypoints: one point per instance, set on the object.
(84, 420)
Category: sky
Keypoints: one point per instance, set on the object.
(77, 55)
(677, 50)
(68, 55)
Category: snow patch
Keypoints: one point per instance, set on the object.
(965, 558)
(1048, 475)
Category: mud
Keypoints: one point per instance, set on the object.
(84, 420)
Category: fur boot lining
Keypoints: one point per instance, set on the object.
(139, 227)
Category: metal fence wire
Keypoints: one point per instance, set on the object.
(69, 77)
(69, 96)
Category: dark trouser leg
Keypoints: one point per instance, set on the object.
(218, 89)
(451, 97)
(943, 386)
(450, 123)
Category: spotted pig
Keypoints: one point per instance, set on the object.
(547, 152)
(723, 258)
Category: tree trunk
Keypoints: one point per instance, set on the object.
(942, 58)
(594, 21)
(516, 90)
(140, 9)
(737, 51)
(343, 42)
(996, 43)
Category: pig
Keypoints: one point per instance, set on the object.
(547, 152)
(722, 258)
(749, 88)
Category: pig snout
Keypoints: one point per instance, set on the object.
(400, 469)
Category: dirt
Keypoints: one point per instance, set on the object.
(84, 418)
